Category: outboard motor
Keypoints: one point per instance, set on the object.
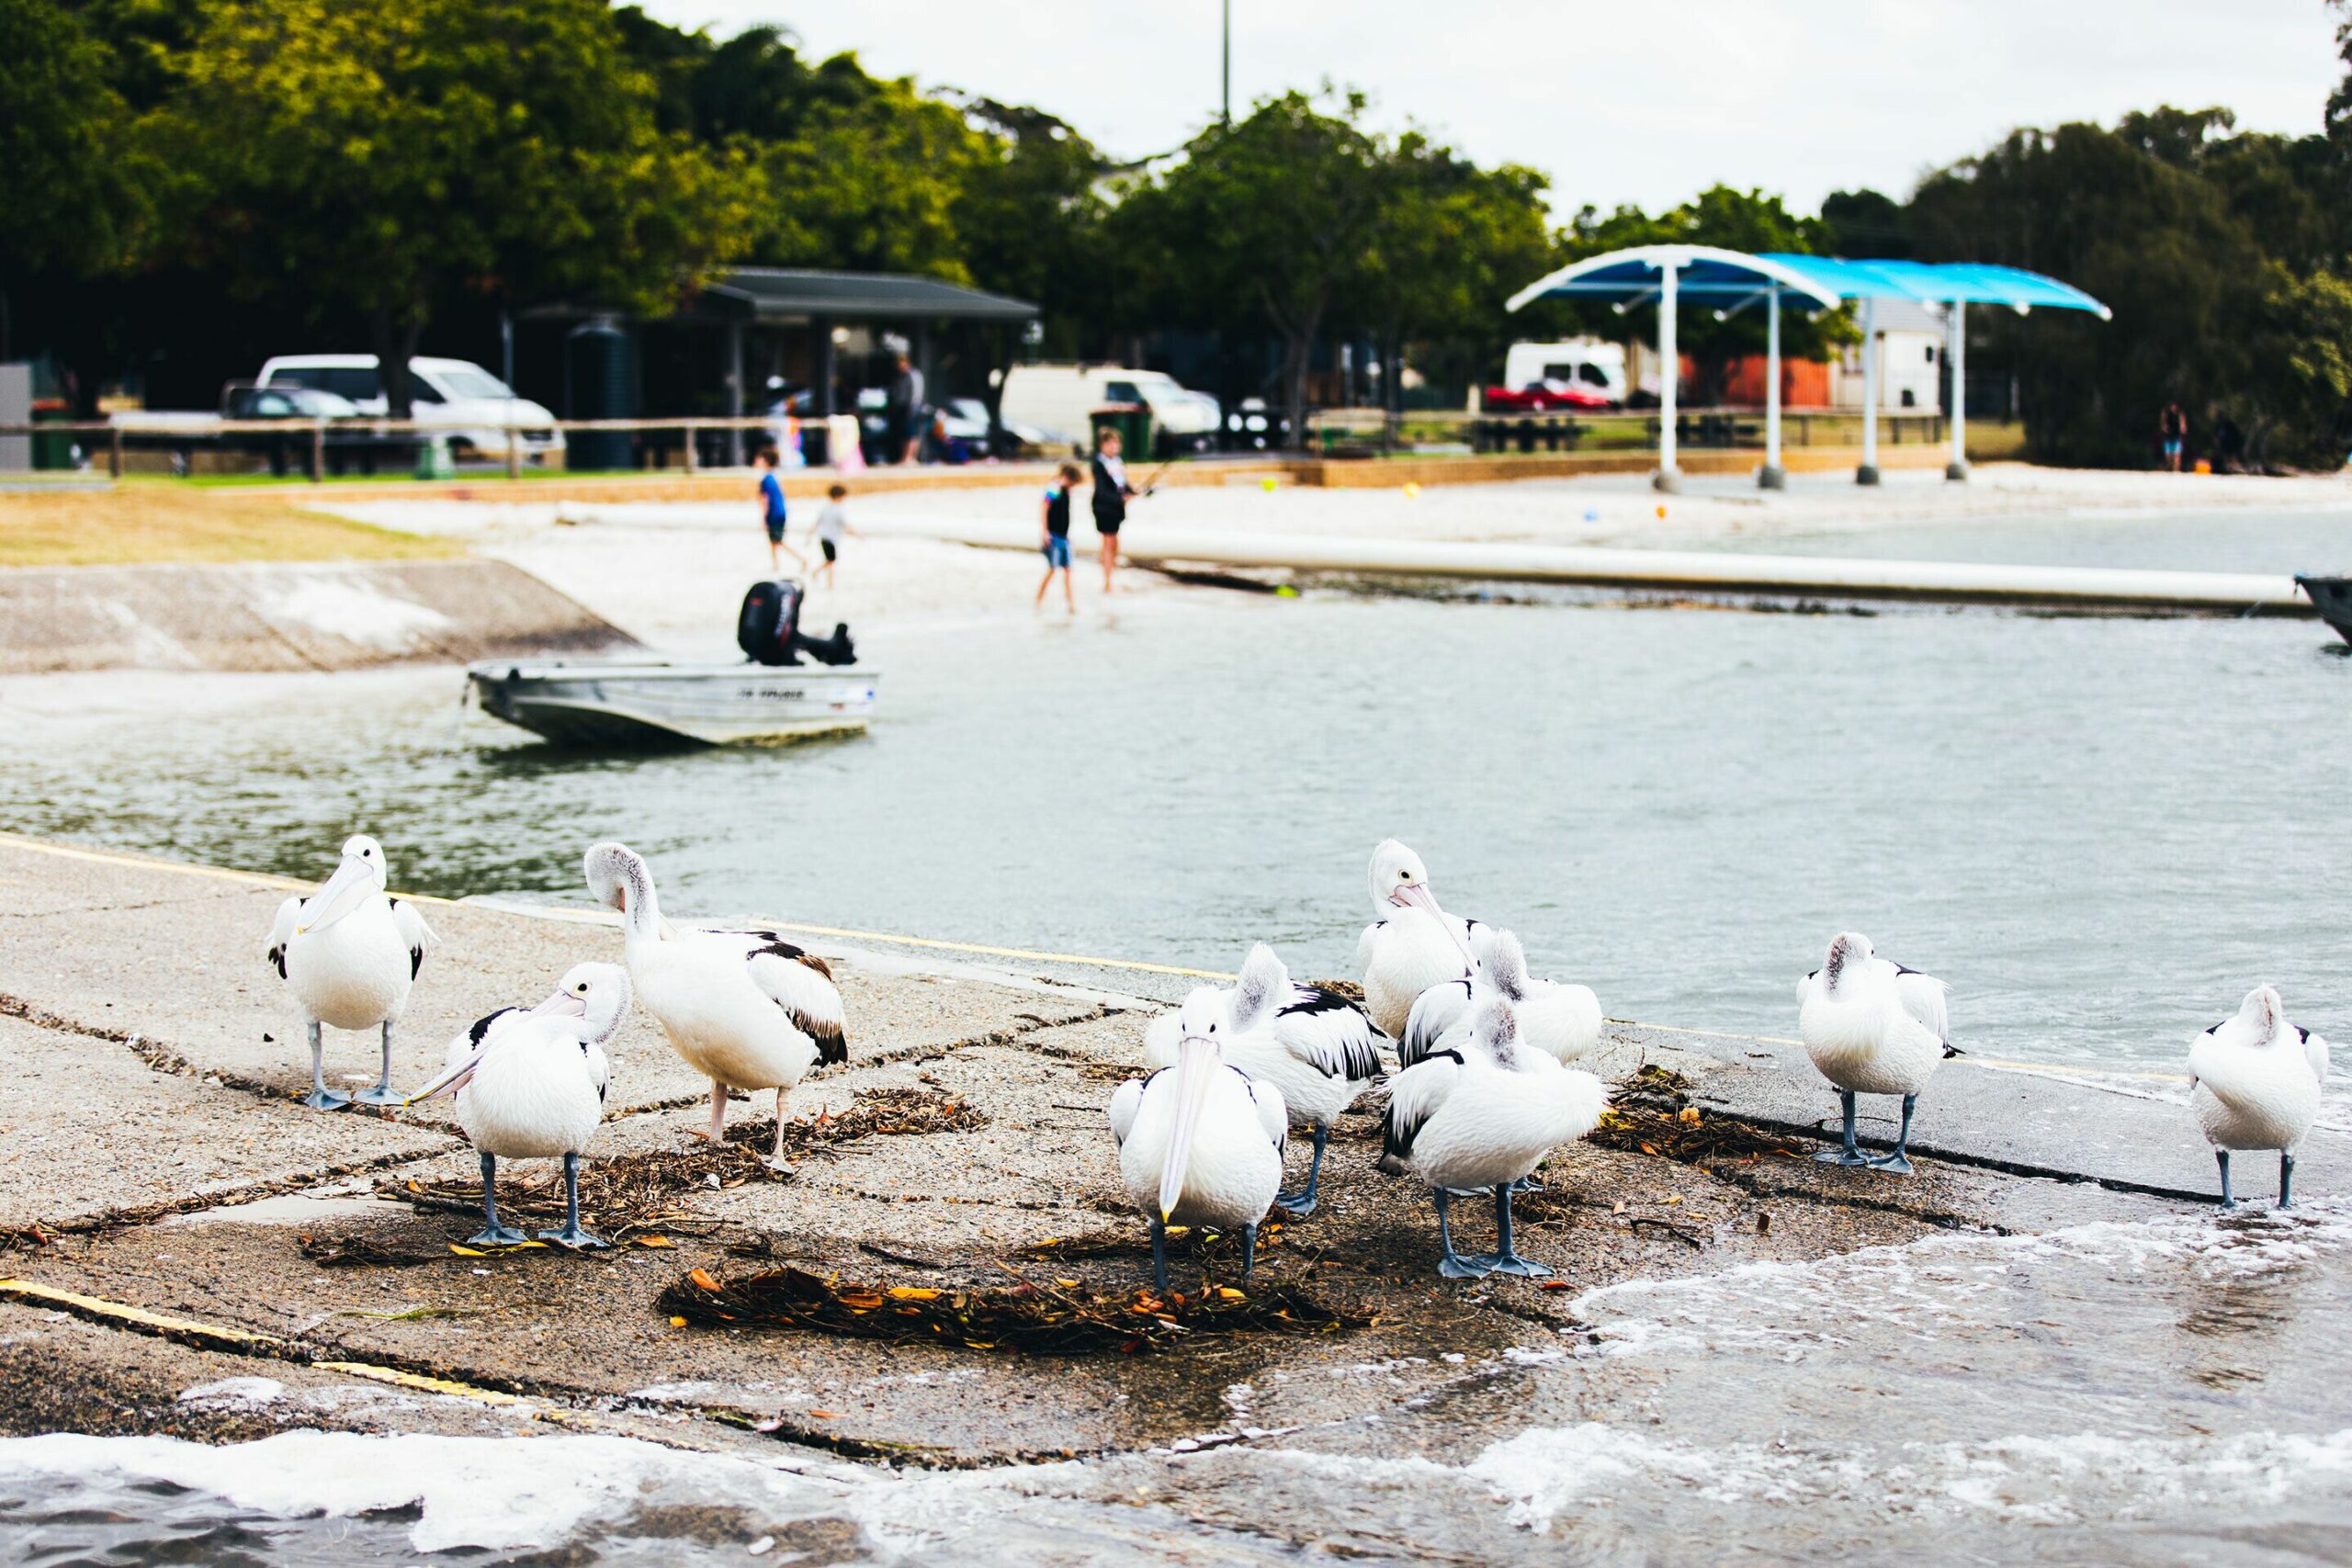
(768, 629)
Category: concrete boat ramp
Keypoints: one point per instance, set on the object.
(173, 1223)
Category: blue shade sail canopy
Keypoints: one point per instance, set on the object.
(1703, 274)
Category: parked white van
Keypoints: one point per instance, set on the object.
(1060, 400)
(457, 396)
(1583, 364)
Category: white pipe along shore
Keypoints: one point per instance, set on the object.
(1698, 572)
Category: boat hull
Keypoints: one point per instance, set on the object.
(2332, 596)
(609, 703)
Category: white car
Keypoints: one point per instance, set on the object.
(474, 408)
(1059, 400)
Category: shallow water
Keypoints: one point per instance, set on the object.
(2101, 832)
(2154, 1393)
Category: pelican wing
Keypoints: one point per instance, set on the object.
(802, 985)
(1806, 985)
(2315, 1052)
(1926, 998)
(1414, 1096)
(1363, 947)
(599, 1070)
(1330, 1033)
(281, 931)
(415, 935)
(1273, 1115)
(1435, 1011)
(1125, 1100)
(464, 1045)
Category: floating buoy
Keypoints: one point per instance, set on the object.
(1661, 512)
(1592, 514)
(1412, 491)
(1267, 484)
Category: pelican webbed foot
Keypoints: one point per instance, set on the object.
(383, 1093)
(1848, 1154)
(1302, 1201)
(1898, 1163)
(572, 1234)
(321, 1096)
(1503, 1259)
(1451, 1264)
(327, 1100)
(497, 1235)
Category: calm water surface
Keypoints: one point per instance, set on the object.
(2102, 832)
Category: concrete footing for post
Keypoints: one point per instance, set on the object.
(1771, 476)
(1867, 474)
(1666, 481)
(1957, 472)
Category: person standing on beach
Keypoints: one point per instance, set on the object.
(772, 512)
(1111, 492)
(1054, 541)
(832, 524)
(904, 402)
(2172, 429)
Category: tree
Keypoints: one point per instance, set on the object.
(396, 159)
(80, 197)
(871, 184)
(1029, 221)
(1262, 225)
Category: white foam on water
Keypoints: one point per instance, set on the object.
(495, 1493)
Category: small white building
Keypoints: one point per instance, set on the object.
(1911, 360)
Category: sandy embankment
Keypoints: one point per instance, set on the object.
(673, 574)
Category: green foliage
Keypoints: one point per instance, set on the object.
(870, 185)
(64, 134)
(393, 160)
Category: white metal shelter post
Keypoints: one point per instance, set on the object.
(1868, 473)
(1669, 373)
(1771, 476)
(1956, 362)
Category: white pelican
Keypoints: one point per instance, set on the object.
(1872, 1027)
(1200, 1144)
(2253, 1081)
(1561, 1020)
(1485, 1117)
(349, 955)
(747, 1008)
(1312, 1044)
(531, 1086)
(1413, 945)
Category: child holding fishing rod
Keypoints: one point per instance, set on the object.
(1112, 492)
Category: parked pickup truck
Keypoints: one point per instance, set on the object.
(348, 441)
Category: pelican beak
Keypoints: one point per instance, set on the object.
(1196, 1061)
(352, 881)
(451, 1080)
(563, 1004)
(1417, 896)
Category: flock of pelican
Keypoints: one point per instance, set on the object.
(1486, 1083)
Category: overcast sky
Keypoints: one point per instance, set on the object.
(1633, 100)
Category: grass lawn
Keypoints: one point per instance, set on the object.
(163, 523)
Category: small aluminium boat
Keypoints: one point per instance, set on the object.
(2332, 596)
(622, 702)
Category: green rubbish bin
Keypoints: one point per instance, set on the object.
(53, 449)
(1133, 422)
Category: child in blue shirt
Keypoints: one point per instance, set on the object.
(1055, 540)
(772, 512)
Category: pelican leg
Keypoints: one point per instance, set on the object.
(1302, 1200)
(383, 1093)
(2223, 1156)
(570, 1235)
(776, 1157)
(321, 1096)
(1159, 1255)
(1503, 1261)
(1528, 1183)
(492, 1234)
(1850, 1154)
(1248, 1253)
(718, 1111)
(1449, 1264)
(1896, 1164)
(2286, 1178)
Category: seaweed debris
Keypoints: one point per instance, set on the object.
(885, 1111)
(1684, 1135)
(1060, 1318)
(360, 1252)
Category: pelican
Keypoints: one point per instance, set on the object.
(531, 1086)
(1464, 1119)
(1413, 945)
(1872, 1027)
(746, 1008)
(349, 955)
(1312, 1044)
(1200, 1143)
(2253, 1081)
(1561, 1020)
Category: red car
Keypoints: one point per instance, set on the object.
(1543, 397)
